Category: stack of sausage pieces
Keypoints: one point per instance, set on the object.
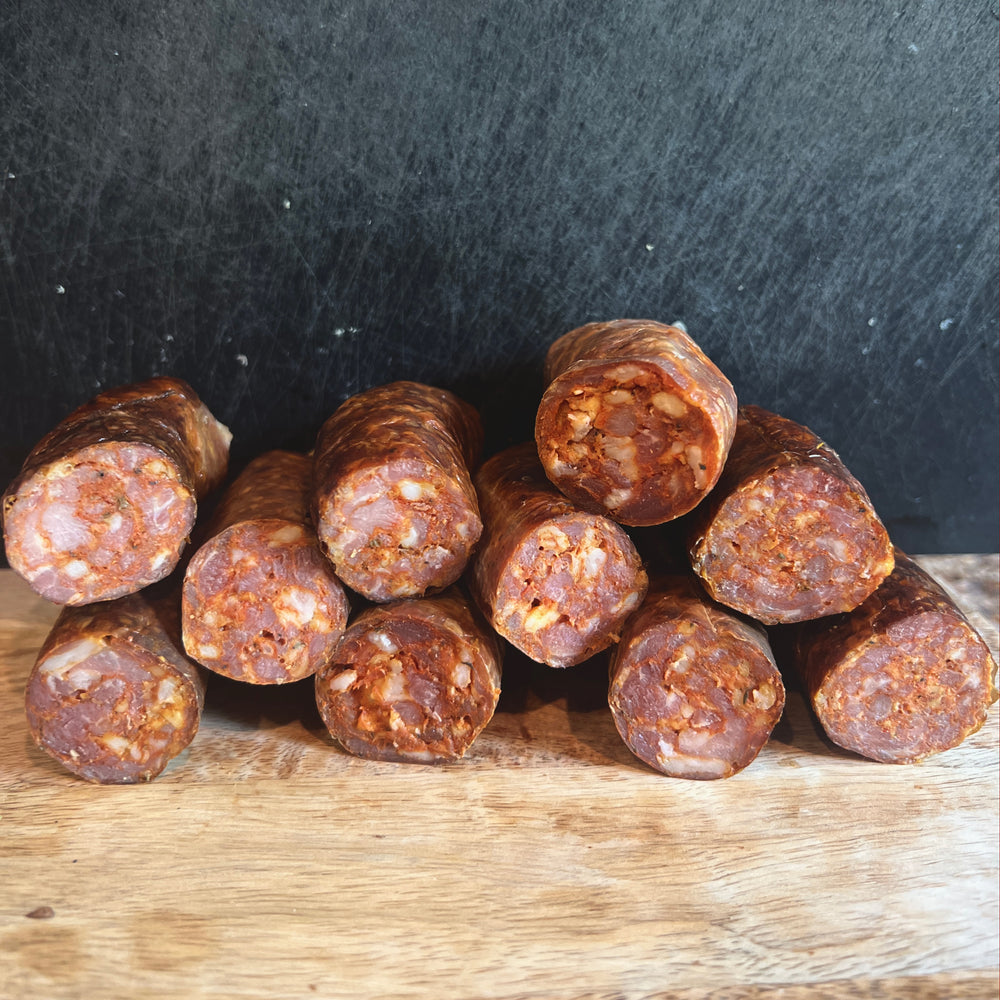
(390, 567)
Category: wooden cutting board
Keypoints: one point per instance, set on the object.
(548, 864)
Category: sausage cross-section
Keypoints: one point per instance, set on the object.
(111, 696)
(414, 680)
(788, 534)
(394, 505)
(901, 677)
(261, 603)
(694, 691)
(106, 501)
(636, 421)
(556, 582)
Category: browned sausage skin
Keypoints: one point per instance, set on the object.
(788, 534)
(261, 602)
(555, 581)
(636, 421)
(111, 696)
(901, 677)
(414, 680)
(694, 691)
(106, 501)
(394, 505)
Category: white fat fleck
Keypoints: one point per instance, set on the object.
(296, 606)
(615, 498)
(618, 397)
(285, 535)
(695, 461)
(383, 642)
(593, 561)
(552, 539)
(580, 423)
(410, 490)
(393, 686)
(539, 618)
(118, 745)
(423, 756)
(166, 690)
(343, 680)
(76, 653)
(684, 764)
(411, 539)
(75, 569)
(114, 522)
(63, 529)
(207, 652)
(162, 557)
(670, 404)
(462, 675)
(621, 450)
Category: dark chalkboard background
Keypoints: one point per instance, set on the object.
(286, 202)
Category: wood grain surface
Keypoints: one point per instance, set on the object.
(549, 863)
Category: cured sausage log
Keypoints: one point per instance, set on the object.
(636, 421)
(694, 690)
(788, 534)
(901, 677)
(105, 502)
(111, 696)
(394, 505)
(261, 602)
(553, 580)
(415, 680)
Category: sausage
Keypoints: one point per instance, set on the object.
(788, 534)
(106, 501)
(413, 680)
(554, 581)
(901, 677)
(261, 603)
(394, 505)
(636, 421)
(111, 696)
(694, 689)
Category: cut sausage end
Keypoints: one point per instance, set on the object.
(106, 521)
(796, 544)
(569, 588)
(624, 439)
(695, 692)
(914, 691)
(261, 604)
(410, 683)
(401, 529)
(110, 711)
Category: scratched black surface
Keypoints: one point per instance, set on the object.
(287, 202)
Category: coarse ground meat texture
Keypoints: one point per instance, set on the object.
(788, 534)
(554, 581)
(105, 503)
(412, 681)
(394, 506)
(111, 696)
(901, 677)
(636, 421)
(261, 603)
(694, 690)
